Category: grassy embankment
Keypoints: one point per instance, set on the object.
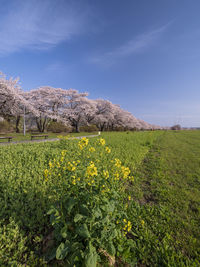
(167, 188)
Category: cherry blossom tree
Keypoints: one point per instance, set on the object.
(80, 110)
(12, 101)
(104, 113)
(49, 102)
(67, 106)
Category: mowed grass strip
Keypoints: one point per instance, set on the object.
(168, 193)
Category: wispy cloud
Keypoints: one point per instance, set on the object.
(55, 67)
(135, 45)
(40, 24)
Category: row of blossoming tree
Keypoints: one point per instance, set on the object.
(46, 104)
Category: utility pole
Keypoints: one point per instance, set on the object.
(24, 121)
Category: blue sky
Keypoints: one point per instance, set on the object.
(143, 55)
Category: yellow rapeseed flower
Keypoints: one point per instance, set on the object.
(58, 164)
(50, 164)
(91, 170)
(71, 167)
(46, 173)
(102, 141)
(108, 150)
(106, 174)
(83, 143)
(117, 163)
(116, 176)
(127, 227)
(92, 149)
(63, 152)
(125, 171)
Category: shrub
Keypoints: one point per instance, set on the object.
(5, 126)
(176, 127)
(89, 128)
(57, 127)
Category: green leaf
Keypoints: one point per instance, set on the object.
(91, 257)
(105, 220)
(62, 251)
(110, 248)
(113, 234)
(50, 255)
(51, 211)
(84, 210)
(63, 232)
(111, 206)
(76, 253)
(77, 218)
(120, 248)
(97, 213)
(83, 231)
(70, 204)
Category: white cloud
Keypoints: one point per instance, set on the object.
(133, 46)
(40, 24)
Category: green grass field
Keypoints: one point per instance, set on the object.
(81, 207)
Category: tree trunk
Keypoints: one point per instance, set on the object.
(38, 122)
(41, 124)
(17, 124)
(77, 128)
(102, 126)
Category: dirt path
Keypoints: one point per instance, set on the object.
(44, 140)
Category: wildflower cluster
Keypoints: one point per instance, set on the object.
(102, 142)
(71, 166)
(127, 226)
(125, 171)
(108, 150)
(83, 143)
(91, 185)
(118, 163)
(92, 149)
(91, 170)
(106, 174)
(121, 171)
